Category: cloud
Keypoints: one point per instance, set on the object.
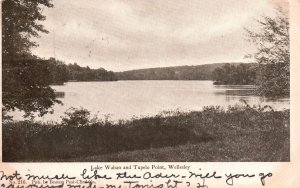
(122, 35)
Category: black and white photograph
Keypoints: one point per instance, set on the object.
(145, 81)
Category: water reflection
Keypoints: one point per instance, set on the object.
(59, 94)
(245, 93)
(252, 87)
(124, 99)
(235, 92)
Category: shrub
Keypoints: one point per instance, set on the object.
(76, 117)
(78, 135)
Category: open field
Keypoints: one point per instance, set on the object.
(239, 133)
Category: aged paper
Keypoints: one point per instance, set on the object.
(108, 94)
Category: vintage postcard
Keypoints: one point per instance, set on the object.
(149, 94)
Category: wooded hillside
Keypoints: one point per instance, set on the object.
(196, 72)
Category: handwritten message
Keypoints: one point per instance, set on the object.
(130, 176)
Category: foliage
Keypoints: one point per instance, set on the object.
(197, 72)
(58, 71)
(20, 21)
(25, 78)
(77, 73)
(26, 87)
(242, 74)
(76, 117)
(238, 133)
(272, 55)
(274, 80)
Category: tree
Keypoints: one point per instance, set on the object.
(229, 74)
(58, 71)
(25, 84)
(272, 55)
(20, 21)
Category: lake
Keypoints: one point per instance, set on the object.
(125, 99)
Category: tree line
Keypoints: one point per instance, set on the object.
(61, 72)
(272, 57)
(229, 74)
(26, 78)
(196, 72)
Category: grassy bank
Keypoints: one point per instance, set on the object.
(240, 133)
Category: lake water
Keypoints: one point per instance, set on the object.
(125, 99)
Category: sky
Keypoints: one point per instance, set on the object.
(123, 35)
